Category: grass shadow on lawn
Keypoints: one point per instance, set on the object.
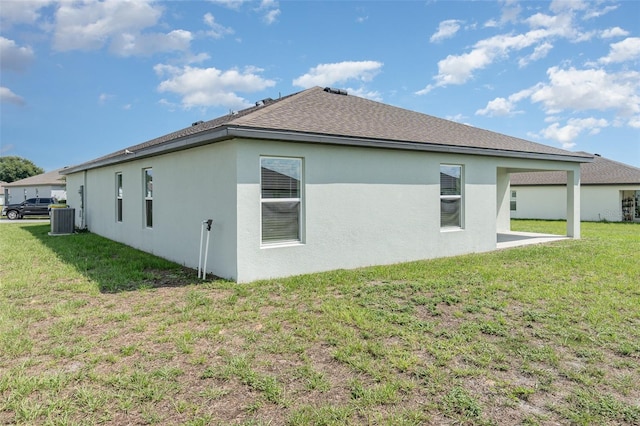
(114, 267)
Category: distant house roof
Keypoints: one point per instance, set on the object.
(601, 171)
(50, 178)
(329, 116)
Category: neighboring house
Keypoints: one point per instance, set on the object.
(50, 184)
(609, 190)
(314, 181)
(2, 184)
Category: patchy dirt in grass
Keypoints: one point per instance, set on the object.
(172, 352)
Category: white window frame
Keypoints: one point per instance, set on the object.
(148, 197)
(119, 201)
(445, 197)
(272, 200)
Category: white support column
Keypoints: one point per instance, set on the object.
(573, 204)
(503, 210)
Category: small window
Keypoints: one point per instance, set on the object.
(451, 205)
(281, 198)
(148, 197)
(119, 197)
(513, 204)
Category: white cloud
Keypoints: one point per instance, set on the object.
(591, 89)
(560, 25)
(271, 16)
(539, 52)
(596, 13)
(566, 135)
(510, 11)
(614, 32)
(7, 96)
(22, 12)
(460, 118)
(446, 29)
(634, 122)
(544, 28)
(459, 69)
(270, 9)
(491, 23)
(217, 30)
(330, 74)
(499, 107)
(128, 44)
(91, 25)
(559, 6)
(104, 97)
(196, 59)
(577, 91)
(206, 87)
(231, 4)
(625, 50)
(363, 93)
(14, 57)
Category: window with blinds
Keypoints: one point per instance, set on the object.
(148, 198)
(118, 197)
(451, 196)
(280, 199)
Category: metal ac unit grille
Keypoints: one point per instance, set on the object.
(63, 221)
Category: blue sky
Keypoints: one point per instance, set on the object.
(81, 79)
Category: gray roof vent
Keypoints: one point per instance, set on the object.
(335, 91)
(264, 101)
(197, 122)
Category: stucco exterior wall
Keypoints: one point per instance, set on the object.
(368, 207)
(597, 202)
(360, 206)
(189, 187)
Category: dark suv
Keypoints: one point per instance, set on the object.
(30, 207)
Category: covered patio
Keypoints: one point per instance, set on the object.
(508, 238)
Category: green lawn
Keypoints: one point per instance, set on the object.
(93, 332)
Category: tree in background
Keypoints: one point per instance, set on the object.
(16, 168)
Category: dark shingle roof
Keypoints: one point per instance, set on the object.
(317, 111)
(601, 171)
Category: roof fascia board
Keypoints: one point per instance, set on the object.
(228, 132)
(203, 138)
(617, 184)
(252, 133)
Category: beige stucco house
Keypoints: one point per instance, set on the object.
(314, 181)
(610, 191)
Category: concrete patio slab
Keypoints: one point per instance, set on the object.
(517, 239)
